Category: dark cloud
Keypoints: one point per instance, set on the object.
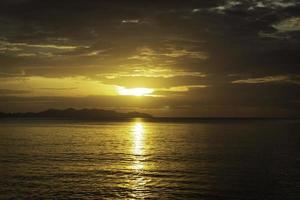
(12, 92)
(115, 41)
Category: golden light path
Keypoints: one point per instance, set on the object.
(138, 145)
(139, 180)
(134, 91)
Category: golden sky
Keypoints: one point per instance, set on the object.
(168, 58)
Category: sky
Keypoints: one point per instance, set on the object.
(216, 58)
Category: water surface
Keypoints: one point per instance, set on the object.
(147, 160)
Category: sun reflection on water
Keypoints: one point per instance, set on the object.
(138, 146)
(138, 132)
(138, 150)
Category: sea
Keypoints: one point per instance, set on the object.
(218, 159)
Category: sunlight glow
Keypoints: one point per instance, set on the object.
(138, 146)
(134, 91)
(139, 181)
(138, 131)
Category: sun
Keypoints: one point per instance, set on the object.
(134, 91)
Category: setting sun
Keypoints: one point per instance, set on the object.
(134, 91)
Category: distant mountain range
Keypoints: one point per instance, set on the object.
(71, 113)
(110, 115)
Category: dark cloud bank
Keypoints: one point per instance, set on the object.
(246, 53)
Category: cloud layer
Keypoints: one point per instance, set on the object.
(199, 56)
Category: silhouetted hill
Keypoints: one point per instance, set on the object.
(71, 113)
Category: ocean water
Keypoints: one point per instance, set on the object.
(149, 160)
